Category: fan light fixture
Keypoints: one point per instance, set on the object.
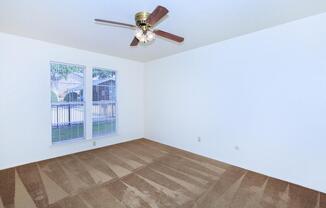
(144, 36)
(144, 26)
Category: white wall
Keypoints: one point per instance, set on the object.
(264, 92)
(25, 116)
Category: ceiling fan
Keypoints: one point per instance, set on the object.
(144, 26)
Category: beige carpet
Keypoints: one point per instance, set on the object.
(144, 174)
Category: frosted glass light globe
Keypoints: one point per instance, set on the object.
(144, 37)
(139, 34)
(150, 35)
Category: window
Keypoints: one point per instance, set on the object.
(67, 101)
(104, 102)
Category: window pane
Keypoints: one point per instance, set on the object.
(67, 101)
(104, 102)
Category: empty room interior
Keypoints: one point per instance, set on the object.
(162, 104)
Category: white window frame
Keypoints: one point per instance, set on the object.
(83, 103)
(116, 105)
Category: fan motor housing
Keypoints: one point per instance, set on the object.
(141, 18)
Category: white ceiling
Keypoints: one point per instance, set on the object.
(201, 22)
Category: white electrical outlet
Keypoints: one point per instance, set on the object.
(237, 148)
(94, 143)
(198, 139)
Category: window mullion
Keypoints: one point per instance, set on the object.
(88, 103)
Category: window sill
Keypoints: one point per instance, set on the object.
(104, 136)
(82, 140)
(71, 141)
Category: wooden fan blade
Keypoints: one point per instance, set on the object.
(157, 14)
(134, 42)
(169, 36)
(114, 22)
